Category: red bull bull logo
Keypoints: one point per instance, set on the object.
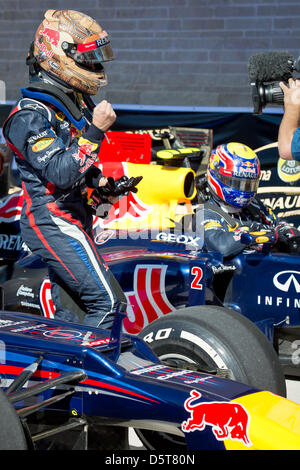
(51, 35)
(81, 156)
(228, 420)
(83, 151)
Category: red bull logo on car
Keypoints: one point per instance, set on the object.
(228, 420)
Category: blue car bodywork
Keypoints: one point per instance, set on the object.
(161, 272)
(103, 376)
(168, 275)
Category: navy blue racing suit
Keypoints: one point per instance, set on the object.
(222, 230)
(55, 153)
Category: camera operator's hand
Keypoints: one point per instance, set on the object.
(103, 115)
(290, 120)
(291, 93)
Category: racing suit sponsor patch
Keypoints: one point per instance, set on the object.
(212, 225)
(39, 136)
(42, 144)
(83, 141)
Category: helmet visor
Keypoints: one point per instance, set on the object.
(240, 184)
(91, 55)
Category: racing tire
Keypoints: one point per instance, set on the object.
(212, 338)
(218, 338)
(12, 436)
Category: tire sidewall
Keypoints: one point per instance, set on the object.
(189, 340)
(12, 436)
(223, 339)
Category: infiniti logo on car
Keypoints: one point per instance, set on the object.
(285, 279)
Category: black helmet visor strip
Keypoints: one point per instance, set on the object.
(241, 184)
(91, 55)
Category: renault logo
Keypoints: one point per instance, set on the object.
(284, 279)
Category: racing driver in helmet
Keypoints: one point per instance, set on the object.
(231, 208)
(55, 132)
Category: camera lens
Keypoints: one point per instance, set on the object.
(266, 93)
(273, 93)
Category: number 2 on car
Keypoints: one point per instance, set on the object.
(197, 272)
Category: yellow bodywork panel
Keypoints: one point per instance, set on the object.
(274, 423)
(164, 195)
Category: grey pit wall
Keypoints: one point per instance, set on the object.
(168, 52)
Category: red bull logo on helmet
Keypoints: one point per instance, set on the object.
(51, 35)
(228, 420)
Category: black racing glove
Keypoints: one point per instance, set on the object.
(113, 188)
(121, 187)
(287, 238)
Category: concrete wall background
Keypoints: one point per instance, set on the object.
(168, 52)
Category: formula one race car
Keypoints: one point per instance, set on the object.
(193, 309)
(163, 272)
(64, 386)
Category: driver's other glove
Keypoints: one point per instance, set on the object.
(288, 238)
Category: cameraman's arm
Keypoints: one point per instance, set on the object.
(289, 131)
